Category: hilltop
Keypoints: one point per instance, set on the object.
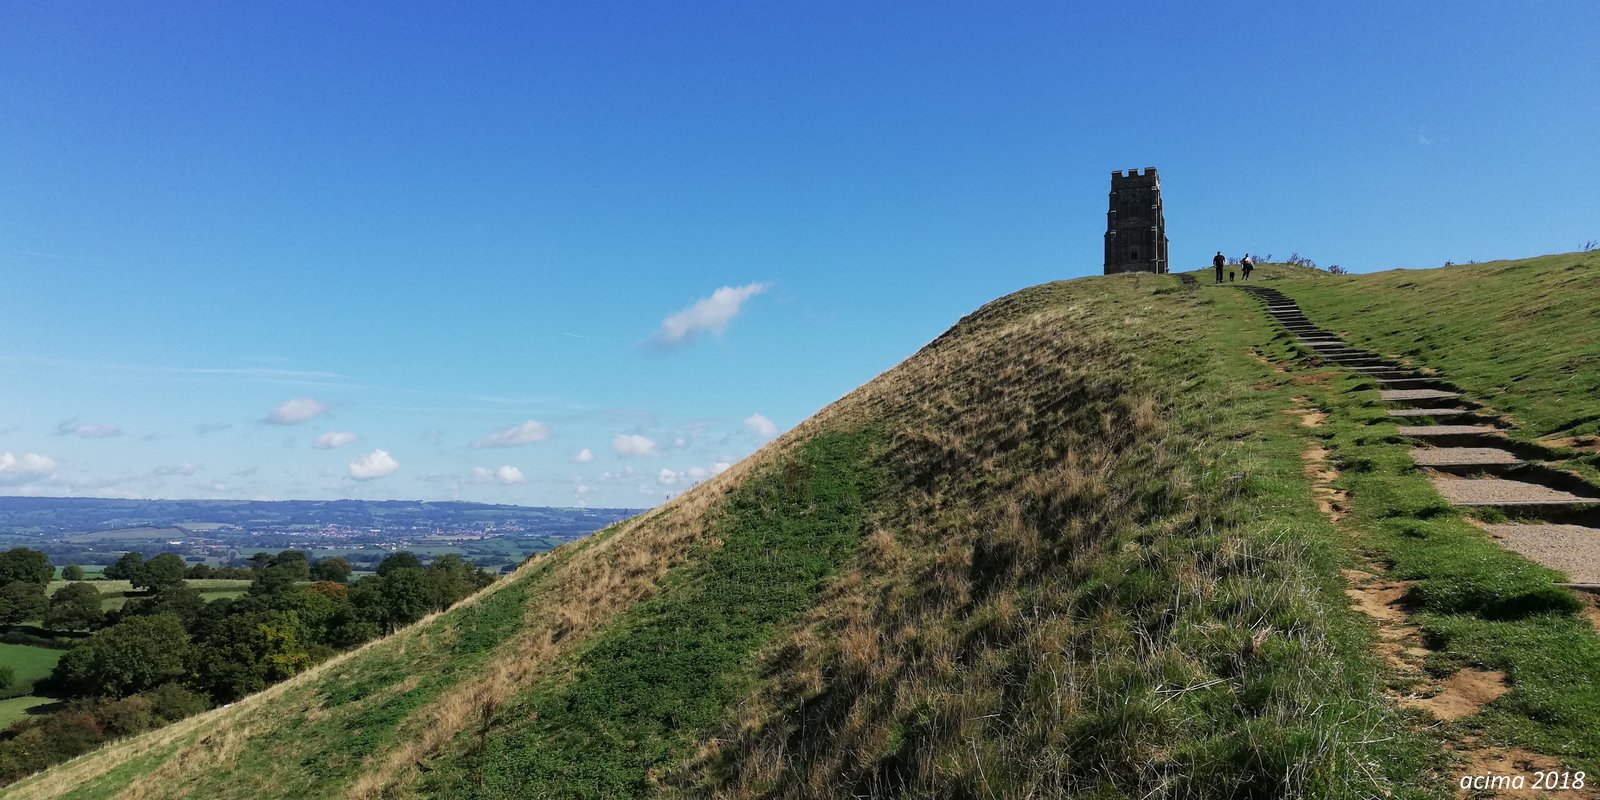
(1103, 537)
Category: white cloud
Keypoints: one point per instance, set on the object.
(25, 468)
(295, 411)
(332, 439)
(206, 428)
(185, 468)
(761, 425)
(632, 444)
(698, 473)
(515, 436)
(505, 475)
(666, 477)
(707, 314)
(375, 464)
(88, 430)
(720, 467)
(583, 490)
(583, 456)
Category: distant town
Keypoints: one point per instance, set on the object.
(94, 532)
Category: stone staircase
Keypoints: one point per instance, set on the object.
(1553, 516)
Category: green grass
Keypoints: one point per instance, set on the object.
(15, 708)
(640, 694)
(31, 665)
(116, 593)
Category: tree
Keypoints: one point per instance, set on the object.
(74, 607)
(453, 579)
(20, 601)
(130, 656)
(180, 601)
(25, 565)
(399, 598)
(249, 652)
(395, 561)
(332, 568)
(8, 676)
(72, 572)
(199, 571)
(260, 561)
(172, 702)
(160, 572)
(293, 562)
(125, 567)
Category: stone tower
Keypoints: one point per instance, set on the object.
(1136, 231)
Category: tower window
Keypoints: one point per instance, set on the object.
(1133, 254)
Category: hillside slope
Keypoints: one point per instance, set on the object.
(1070, 547)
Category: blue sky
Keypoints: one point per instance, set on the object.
(229, 232)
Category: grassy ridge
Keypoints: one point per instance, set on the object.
(669, 667)
(1102, 575)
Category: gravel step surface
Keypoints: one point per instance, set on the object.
(1445, 430)
(1415, 394)
(1461, 456)
(1428, 412)
(1501, 492)
(1572, 549)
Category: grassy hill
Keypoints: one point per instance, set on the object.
(1070, 548)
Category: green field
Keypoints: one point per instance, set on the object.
(116, 594)
(31, 665)
(171, 534)
(15, 708)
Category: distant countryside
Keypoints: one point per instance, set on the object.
(118, 616)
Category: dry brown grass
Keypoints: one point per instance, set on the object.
(1003, 478)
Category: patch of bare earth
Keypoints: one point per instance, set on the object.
(1587, 444)
(1462, 694)
(1330, 501)
(1484, 759)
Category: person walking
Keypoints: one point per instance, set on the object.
(1218, 263)
(1246, 265)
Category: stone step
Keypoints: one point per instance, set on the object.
(1573, 549)
(1401, 395)
(1408, 383)
(1503, 492)
(1429, 412)
(1431, 431)
(1462, 456)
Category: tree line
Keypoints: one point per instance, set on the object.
(170, 653)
